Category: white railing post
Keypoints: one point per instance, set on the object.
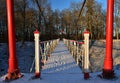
(77, 49)
(48, 47)
(37, 61)
(86, 57)
(74, 49)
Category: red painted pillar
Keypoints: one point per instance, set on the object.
(13, 71)
(108, 71)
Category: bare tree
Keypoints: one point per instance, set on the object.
(89, 15)
(20, 9)
(117, 18)
(3, 27)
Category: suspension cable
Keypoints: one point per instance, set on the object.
(81, 11)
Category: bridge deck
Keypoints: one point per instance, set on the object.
(61, 66)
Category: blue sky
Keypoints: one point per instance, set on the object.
(62, 4)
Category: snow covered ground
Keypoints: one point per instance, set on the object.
(60, 68)
(25, 56)
(97, 53)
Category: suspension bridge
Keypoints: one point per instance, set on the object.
(64, 64)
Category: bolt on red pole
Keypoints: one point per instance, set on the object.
(108, 71)
(13, 71)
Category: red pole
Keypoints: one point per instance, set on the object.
(13, 71)
(108, 71)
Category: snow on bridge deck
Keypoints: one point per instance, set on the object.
(61, 65)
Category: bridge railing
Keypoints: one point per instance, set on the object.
(76, 49)
(46, 48)
(43, 50)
